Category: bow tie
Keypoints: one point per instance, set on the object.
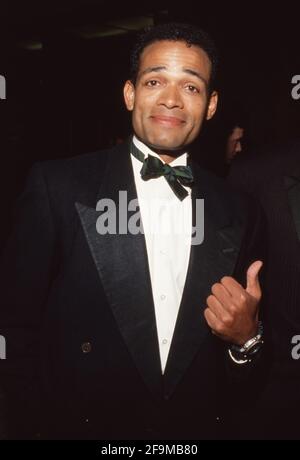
(175, 175)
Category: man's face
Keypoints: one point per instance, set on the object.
(170, 99)
(234, 144)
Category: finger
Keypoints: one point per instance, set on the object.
(234, 288)
(212, 320)
(216, 307)
(253, 286)
(220, 302)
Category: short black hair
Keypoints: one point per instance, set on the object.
(174, 31)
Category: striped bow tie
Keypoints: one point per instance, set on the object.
(176, 176)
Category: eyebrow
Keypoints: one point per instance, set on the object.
(192, 72)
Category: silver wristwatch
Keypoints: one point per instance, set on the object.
(245, 353)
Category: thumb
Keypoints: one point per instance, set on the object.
(253, 286)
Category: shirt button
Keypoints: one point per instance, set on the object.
(86, 347)
(164, 341)
(163, 297)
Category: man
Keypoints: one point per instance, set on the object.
(234, 143)
(272, 176)
(115, 333)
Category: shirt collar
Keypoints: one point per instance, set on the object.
(179, 161)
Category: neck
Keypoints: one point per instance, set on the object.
(168, 157)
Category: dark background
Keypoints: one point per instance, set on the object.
(65, 63)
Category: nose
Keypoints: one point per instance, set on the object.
(238, 147)
(170, 97)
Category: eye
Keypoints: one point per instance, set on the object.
(192, 89)
(152, 83)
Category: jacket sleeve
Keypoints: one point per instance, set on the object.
(27, 267)
(246, 381)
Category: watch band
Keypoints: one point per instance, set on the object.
(245, 353)
(237, 360)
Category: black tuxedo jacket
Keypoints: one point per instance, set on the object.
(78, 314)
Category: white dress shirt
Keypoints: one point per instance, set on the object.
(167, 224)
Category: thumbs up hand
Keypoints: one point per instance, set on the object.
(232, 311)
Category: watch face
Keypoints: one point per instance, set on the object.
(254, 348)
(242, 353)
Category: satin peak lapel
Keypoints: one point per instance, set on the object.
(122, 264)
(209, 262)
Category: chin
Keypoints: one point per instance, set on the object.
(160, 144)
(167, 148)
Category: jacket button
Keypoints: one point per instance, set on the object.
(86, 347)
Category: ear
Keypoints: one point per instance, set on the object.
(212, 105)
(129, 95)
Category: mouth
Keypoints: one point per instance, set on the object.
(167, 121)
